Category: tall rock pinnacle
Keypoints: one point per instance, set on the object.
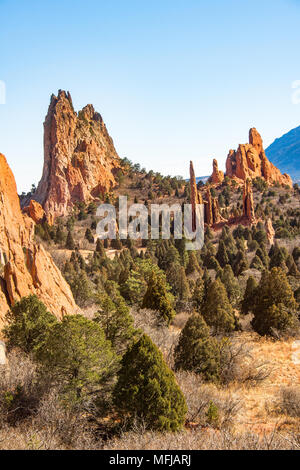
(195, 199)
(79, 157)
(248, 205)
(217, 176)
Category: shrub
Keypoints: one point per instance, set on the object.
(217, 310)
(29, 324)
(197, 351)
(249, 295)
(156, 298)
(147, 389)
(275, 306)
(77, 356)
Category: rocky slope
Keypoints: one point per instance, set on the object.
(80, 159)
(285, 153)
(250, 161)
(25, 267)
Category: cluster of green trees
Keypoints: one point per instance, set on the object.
(102, 365)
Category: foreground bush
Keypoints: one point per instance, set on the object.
(28, 325)
(78, 357)
(147, 389)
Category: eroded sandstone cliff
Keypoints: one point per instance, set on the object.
(80, 159)
(25, 267)
(250, 161)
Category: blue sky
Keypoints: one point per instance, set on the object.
(173, 79)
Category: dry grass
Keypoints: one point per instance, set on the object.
(207, 439)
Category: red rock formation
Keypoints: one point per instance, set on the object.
(79, 157)
(250, 161)
(35, 211)
(196, 197)
(25, 267)
(217, 176)
(248, 205)
(270, 231)
(211, 210)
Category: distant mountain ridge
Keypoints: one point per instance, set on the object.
(284, 152)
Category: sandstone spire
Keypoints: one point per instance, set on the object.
(248, 205)
(195, 197)
(211, 209)
(79, 156)
(217, 176)
(26, 267)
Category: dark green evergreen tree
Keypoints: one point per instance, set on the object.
(147, 389)
(197, 350)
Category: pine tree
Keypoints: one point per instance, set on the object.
(222, 255)
(249, 295)
(70, 245)
(184, 290)
(88, 235)
(217, 310)
(28, 325)
(59, 235)
(263, 255)
(193, 264)
(100, 247)
(231, 284)
(115, 320)
(198, 294)
(156, 298)
(197, 351)
(275, 306)
(277, 258)
(256, 263)
(147, 389)
(240, 263)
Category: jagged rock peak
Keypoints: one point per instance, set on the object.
(79, 157)
(250, 161)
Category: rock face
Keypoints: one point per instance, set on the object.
(79, 157)
(248, 205)
(35, 211)
(250, 161)
(217, 176)
(270, 231)
(25, 267)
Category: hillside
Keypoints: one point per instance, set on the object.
(284, 152)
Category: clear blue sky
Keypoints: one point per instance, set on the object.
(173, 79)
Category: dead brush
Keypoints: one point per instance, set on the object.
(239, 366)
(208, 405)
(287, 402)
